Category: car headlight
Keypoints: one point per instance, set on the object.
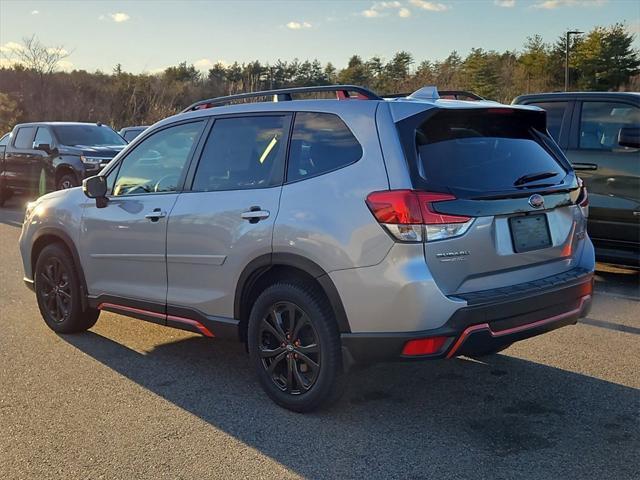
(93, 160)
(29, 209)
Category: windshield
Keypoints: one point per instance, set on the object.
(90, 135)
(482, 151)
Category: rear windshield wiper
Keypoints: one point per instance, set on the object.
(532, 177)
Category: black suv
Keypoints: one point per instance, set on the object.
(45, 156)
(600, 134)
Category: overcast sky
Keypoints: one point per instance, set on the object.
(149, 35)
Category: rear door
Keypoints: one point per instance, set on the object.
(19, 160)
(501, 196)
(610, 172)
(226, 219)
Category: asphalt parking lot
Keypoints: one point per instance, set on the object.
(130, 399)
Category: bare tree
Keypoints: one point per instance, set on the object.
(40, 62)
(34, 55)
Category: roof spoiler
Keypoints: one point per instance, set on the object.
(456, 94)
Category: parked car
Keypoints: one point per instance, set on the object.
(46, 156)
(129, 133)
(324, 233)
(600, 134)
(4, 140)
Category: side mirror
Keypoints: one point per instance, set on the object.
(96, 187)
(629, 137)
(42, 146)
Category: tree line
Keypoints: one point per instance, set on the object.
(32, 88)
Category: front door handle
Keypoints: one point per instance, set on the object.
(156, 215)
(584, 166)
(255, 214)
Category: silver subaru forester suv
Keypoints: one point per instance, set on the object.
(324, 233)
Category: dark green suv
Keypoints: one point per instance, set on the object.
(600, 134)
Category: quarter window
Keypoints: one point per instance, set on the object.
(600, 123)
(243, 153)
(24, 137)
(555, 115)
(321, 142)
(156, 165)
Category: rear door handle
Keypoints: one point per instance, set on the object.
(255, 214)
(156, 215)
(584, 166)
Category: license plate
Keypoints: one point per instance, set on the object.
(530, 232)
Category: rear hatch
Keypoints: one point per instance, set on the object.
(502, 196)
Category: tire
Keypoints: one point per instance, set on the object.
(68, 180)
(58, 293)
(290, 351)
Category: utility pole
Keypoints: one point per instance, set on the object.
(566, 57)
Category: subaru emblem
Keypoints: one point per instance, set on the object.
(536, 201)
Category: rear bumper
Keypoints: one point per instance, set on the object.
(491, 319)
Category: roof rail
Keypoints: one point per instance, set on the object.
(456, 94)
(343, 92)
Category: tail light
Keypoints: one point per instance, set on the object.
(409, 215)
(583, 198)
(424, 346)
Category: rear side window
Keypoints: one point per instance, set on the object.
(481, 151)
(600, 123)
(243, 153)
(24, 137)
(320, 143)
(555, 116)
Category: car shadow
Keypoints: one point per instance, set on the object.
(12, 213)
(500, 418)
(617, 281)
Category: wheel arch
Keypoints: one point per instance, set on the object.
(48, 235)
(284, 265)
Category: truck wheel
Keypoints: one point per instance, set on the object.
(68, 180)
(295, 347)
(58, 293)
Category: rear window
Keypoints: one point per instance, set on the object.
(321, 143)
(90, 135)
(24, 137)
(482, 151)
(131, 134)
(555, 116)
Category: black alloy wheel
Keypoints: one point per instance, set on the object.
(58, 292)
(295, 348)
(55, 290)
(289, 347)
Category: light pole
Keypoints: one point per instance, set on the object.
(566, 57)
